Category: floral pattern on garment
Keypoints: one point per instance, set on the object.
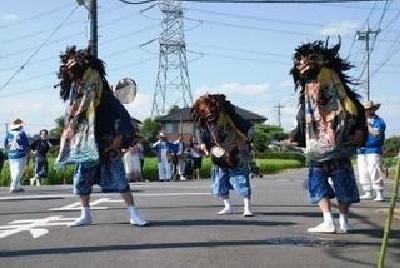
(329, 118)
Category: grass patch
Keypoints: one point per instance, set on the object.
(150, 170)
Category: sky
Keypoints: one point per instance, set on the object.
(241, 50)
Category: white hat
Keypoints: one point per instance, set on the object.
(17, 123)
(371, 105)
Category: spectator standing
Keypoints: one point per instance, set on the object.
(164, 150)
(40, 149)
(17, 145)
(370, 157)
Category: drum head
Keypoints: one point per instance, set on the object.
(125, 90)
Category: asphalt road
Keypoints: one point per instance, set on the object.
(185, 230)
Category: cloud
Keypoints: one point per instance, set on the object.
(38, 111)
(340, 28)
(286, 84)
(8, 17)
(141, 107)
(235, 89)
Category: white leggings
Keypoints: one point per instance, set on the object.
(17, 167)
(370, 169)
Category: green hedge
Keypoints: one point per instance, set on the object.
(64, 176)
(282, 155)
(59, 176)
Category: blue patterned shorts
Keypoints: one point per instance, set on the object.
(225, 179)
(110, 176)
(344, 183)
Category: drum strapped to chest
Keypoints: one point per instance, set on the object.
(217, 152)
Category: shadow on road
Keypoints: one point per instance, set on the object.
(207, 222)
(280, 241)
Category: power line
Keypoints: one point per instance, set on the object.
(36, 33)
(37, 16)
(18, 52)
(33, 34)
(49, 86)
(261, 29)
(239, 16)
(45, 59)
(38, 49)
(251, 1)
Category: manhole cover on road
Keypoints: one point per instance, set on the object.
(306, 242)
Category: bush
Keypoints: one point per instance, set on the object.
(150, 170)
(282, 155)
(392, 146)
(55, 176)
(268, 166)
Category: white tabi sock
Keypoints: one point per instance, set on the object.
(328, 219)
(85, 213)
(343, 218)
(246, 202)
(227, 203)
(136, 219)
(84, 219)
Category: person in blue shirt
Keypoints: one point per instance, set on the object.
(164, 150)
(17, 146)
(370, 157)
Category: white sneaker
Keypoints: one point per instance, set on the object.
(226, 210)
(182, 178)
(379, 196)
(139, 222)
(247, 213)
(367, 196)
(323, 228)
(82, 221)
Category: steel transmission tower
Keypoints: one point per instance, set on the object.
(172, 80)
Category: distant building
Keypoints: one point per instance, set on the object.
(181, 122)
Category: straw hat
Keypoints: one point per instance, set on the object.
(17, 123)
(371, 105)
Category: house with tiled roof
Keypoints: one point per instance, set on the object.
(181, 122)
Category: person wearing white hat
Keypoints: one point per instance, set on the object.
(17, 145)
(164, 148)
(369, 158)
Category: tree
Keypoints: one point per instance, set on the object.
(173, 109)
(56, 132)
(392, 146)
(264, 134)
(150, 129)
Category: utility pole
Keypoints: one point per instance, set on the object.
(365, 36)
(279, 107)
(93, 25)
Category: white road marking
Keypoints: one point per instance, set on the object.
(77, 205)
(47, 196)
(34, 226)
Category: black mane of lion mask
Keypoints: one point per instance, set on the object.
(207, 108)
(73, 64)
(308, 60)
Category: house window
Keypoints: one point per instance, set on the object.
(187, 128)
(168, 128)
(171, 128)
